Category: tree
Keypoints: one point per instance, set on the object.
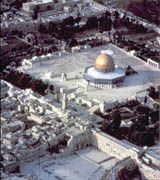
(49, 8)
(69, 21)
(92, 22)
(116, 118)
(78, 18)
(42, 29)
(20, 34)
(100, 1)
(152, 91)
(37, 9)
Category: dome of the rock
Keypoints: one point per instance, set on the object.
(105, 61)
(104, 72)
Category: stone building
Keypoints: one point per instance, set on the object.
(40, 5)
(12, 44)
(4, 89)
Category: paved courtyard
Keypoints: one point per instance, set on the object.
(74, 65)
(87, 164)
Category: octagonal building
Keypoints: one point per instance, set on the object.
(104, 72)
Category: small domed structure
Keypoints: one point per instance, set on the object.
(104, 63)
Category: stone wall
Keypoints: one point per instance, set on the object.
(13, 126)
(88, 103)
(120, 165)
(153, 63)
(122, 150)
(111, 145)
(36, 118)
(150, 173)
(140, 95)
(55, 140)
(26, 26)
(79, 141)
(31, 154)
(64, 153)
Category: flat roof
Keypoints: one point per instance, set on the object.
(37, 2)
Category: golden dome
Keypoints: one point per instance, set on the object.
(104, 61)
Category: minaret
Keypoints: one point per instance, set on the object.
(64, 102)
(102, 107)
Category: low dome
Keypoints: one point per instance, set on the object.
(105, 61)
